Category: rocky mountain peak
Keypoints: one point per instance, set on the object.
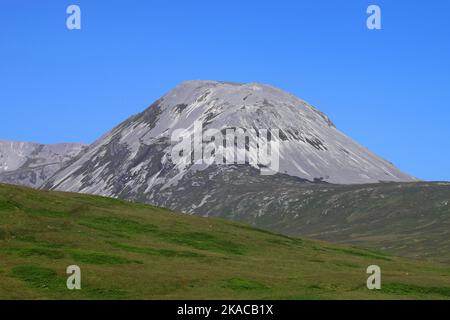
(135, 160)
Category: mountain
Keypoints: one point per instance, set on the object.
(134, 251)
(135, 160)
(31, 164)
(326, 187)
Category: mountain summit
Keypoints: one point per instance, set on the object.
(133, 160)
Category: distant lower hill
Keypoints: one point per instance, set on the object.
(405, 219)
(134, 251)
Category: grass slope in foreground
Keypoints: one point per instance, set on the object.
(135, 251)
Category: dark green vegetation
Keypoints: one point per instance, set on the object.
(404, 219)
(128, 250)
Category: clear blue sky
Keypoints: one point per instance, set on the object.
(387, 89)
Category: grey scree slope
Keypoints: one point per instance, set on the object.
(31, 164)
(133, 161)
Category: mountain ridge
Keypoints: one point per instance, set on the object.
(30, 163)
(139, 148)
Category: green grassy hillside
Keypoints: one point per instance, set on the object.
(404, 219)
(134, 251)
